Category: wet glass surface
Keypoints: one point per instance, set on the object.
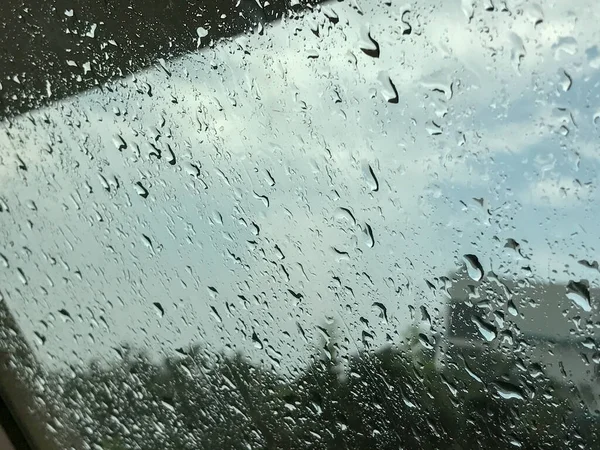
(356, 225)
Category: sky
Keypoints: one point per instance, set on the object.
(292, 194)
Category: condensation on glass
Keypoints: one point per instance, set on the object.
(360, 225)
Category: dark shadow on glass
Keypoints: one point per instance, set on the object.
(51, 50)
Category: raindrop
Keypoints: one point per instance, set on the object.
(163, 66)
(512, 244)
(269, 178)
(468, 8)
(215, 314)
(438, 82)
(589, 264)
(517, 49)
(534, 13)
(344, 214)
(578, 293)
(202, 33)
(388, 89)
(41, 339)
(279, 253)
(368, 235)
(381, 310)
(191, 169)
(565, 45)
(368, 45)
(508, 391)
(147, 241)
(425, 317)
(119, 143)
(369, 175)
(257, 342)
(296, 295)
(566, 80)
(159, 309)
(406, 27)
(65, 314)
(22, 276)
(331, 15)
(216, 217)
(512, 309)
(425, 341)
(474, 268)
(170, 156)
(92, 32)
(433, 129)
(141, 190)
(487, 330)
(103, 182)
(470, 371)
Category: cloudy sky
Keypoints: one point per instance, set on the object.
(292, 193)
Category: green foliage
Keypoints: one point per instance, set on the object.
(389, 399)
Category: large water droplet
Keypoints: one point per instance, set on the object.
(344, 214)
(474, 268)
(369, 45)
(368, 238)
(517, 49)
(369, 175)
(508, 391)
(487, 330)
(159, 309)
(388, 89)
(579, 294)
